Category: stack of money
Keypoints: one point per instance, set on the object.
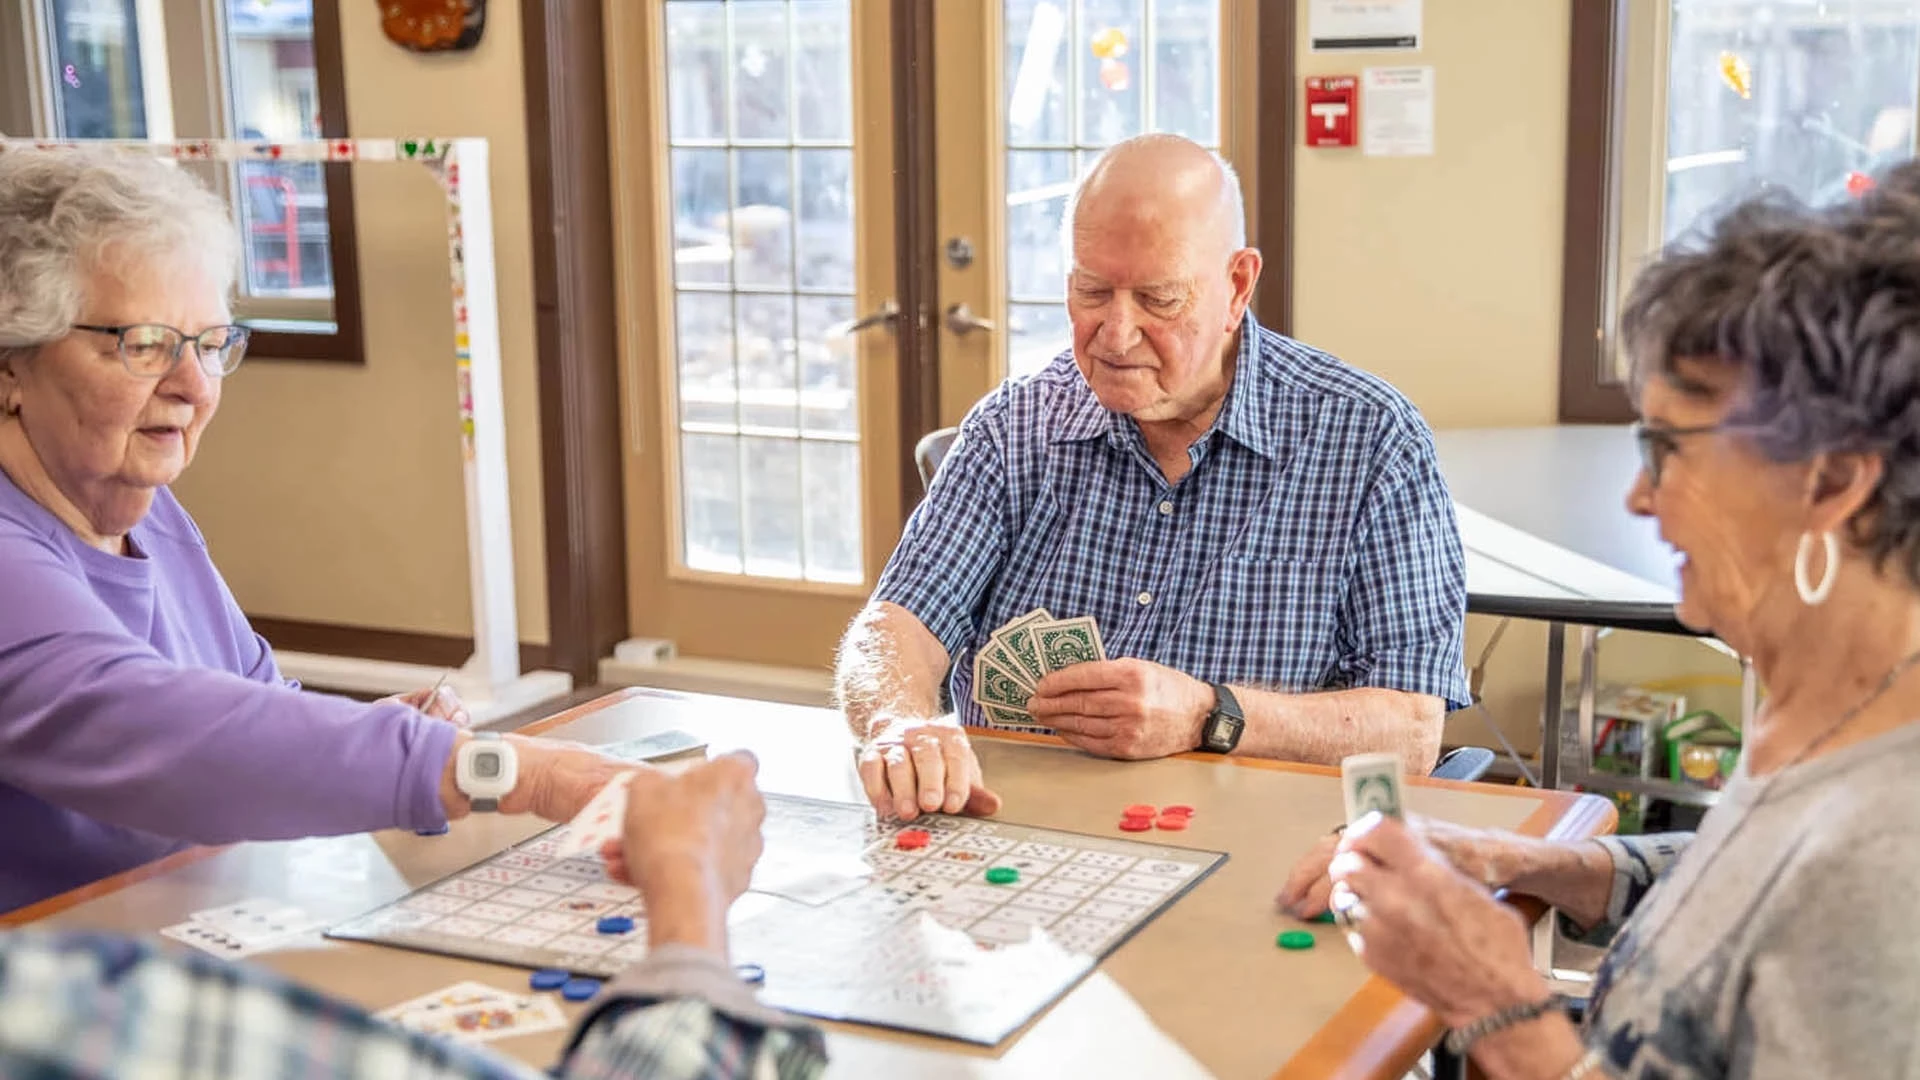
(1020, 654)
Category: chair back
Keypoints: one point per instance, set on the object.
(930, 451)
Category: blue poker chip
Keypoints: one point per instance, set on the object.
(750, 973)
(580, 989)
(549, 979)
(441, 831)
(614, 924)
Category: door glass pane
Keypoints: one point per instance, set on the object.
(759, 100)
(276, 97)
(1080, 76)
(97, 85)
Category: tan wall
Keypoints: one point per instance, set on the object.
(1442, 274)
(334, 493)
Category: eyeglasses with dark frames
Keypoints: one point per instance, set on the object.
(1657, 442)
(152, 350)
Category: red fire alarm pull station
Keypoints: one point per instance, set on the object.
(1332, 101)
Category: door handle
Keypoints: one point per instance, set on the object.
(886, 315)
(962, 321)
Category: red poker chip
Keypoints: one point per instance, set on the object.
(1136, 824)
(1140, 810)
(912, 839)
(1178, 808)
(1172, 822)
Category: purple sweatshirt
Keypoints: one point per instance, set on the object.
(139, 713)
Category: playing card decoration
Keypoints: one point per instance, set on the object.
(433, 25)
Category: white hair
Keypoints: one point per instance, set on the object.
(1232, 199)
(63, 209)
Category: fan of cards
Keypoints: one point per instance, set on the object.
(1013, 661)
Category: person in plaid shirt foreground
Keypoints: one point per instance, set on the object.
(84, 1005)
(1248, 520)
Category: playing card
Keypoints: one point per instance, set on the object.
(601, 820)
(1016, 643)
(997, 654)
(994, 686)
(1066, 642)
(476, 1012)
(1371, 782)
(1018, 719)
(211, 939)
(258, 918)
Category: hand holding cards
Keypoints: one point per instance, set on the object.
(602, 819)
(1021, 653)
(1368, 783)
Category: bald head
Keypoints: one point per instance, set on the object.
(1160, 181)
(1159, 276)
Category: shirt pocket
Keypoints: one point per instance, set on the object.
(1267, 622)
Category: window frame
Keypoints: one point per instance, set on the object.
(192, 76)
(1616, 183)
(1591, 234)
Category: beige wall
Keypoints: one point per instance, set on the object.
(333, 493)
(1442, 274)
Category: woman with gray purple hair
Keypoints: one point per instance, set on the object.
(139, 711)
(1776, 369)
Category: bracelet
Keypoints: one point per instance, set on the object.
(1462, 1037)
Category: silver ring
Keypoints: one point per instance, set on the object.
(1351, 916)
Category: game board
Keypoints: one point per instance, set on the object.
(845, 924)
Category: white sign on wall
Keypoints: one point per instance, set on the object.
(1335, 25)
(1396, 111)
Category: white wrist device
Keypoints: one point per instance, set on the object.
(486, 769)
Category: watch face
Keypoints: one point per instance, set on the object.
(1221, 733)
(486, 765)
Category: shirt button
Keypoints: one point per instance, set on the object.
(1166, 506)
(1145, 599)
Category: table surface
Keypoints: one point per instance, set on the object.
(1543, 514)
(1201, 991)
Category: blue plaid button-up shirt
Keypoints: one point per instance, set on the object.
(1311, 547)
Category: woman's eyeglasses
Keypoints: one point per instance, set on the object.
(1658, 442)
(152, 350)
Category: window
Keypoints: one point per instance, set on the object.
(1713, 101)
(94, 50)
(273, 92)
(275, 75)
(1082, 75)
(761, 149)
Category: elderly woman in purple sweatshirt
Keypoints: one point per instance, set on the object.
(138, 710)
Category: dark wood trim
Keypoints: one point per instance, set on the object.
(371, 643)
(570, 175)
(1273, 163)
(1592, 69)
(347, 341)
(916, 235)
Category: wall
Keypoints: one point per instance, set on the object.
(1442, 275)
(332, 493)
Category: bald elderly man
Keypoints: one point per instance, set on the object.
(1260, 530)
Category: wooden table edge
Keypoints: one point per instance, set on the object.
(1380, 1032)
(1373, 1036)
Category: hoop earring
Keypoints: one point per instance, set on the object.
(1815, 595)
